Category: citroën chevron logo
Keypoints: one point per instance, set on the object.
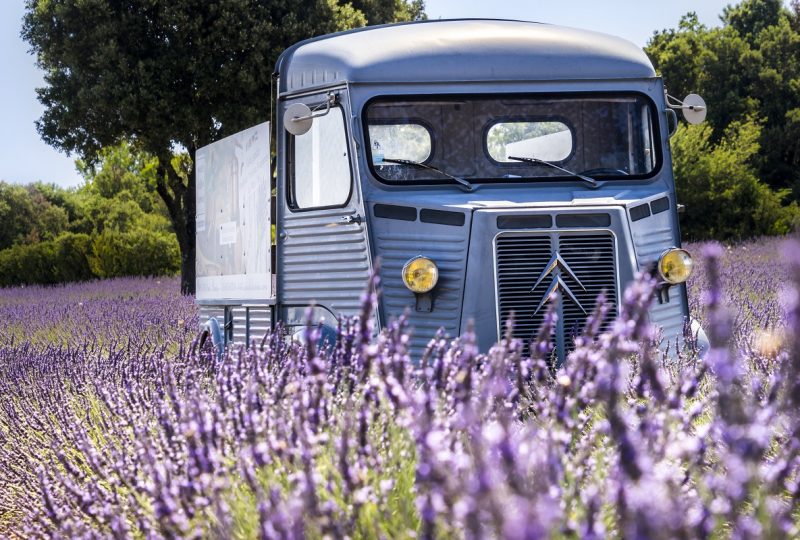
(557, 267)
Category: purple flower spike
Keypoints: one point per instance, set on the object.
(104, 433)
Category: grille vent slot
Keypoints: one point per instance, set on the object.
(522, 257)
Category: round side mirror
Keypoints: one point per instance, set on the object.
(297, 119)
(694, 109)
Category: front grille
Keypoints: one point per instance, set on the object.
(582, 261)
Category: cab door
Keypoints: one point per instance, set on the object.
(323, 253)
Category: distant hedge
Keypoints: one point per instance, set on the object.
(54, 261)
(79, 257)
(137, 253)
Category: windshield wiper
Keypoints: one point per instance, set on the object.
(463, 183)
(535, 161)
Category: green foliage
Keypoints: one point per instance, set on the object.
(750, 18)
(30, 214)
(58, 196)
(123, 168)
(748, 67)
(140, 252)
(164, 74)
(131, 233)
(113, 225)
(390, 11)
(54, 261)
(719, 184)
(16, 214)
(120, 213)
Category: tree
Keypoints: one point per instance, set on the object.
(138, 253)
(391, 11)
(113, 225)
(750, 18)
(719, 184)
(28, 214)
(750, 66)
(121, 168)
(171, 75)
(16, 214)
(62, 259)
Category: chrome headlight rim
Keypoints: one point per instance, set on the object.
(660, 260)
(434, 280)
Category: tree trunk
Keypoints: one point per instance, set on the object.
(179, 200)
(188, 268)
(186, 244)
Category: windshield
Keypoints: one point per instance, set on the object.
(482, 139)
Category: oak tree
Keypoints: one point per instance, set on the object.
(172, 76)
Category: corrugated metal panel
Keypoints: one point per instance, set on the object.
(592, 258)
(324, 259)
(669, 316)
(651, 237)
(250, 323)
(521, 259)
(650, 241)
(449, 251)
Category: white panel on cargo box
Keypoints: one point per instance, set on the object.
(233, 237)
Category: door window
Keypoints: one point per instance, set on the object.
(321, 164)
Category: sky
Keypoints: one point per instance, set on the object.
(24, 157)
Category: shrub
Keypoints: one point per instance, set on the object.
(54, 261)
(719, 185)
(71, 252)
(79, 257)
(140, 252)
(28, 215)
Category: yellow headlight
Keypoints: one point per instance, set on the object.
(420, 274)
(675, 266)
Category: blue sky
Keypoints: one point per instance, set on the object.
(25, 158)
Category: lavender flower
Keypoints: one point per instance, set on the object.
(114, 424)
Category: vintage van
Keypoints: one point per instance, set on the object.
(487, 164)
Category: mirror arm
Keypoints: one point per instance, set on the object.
(678, 104)
(331, 101)
(693, 107)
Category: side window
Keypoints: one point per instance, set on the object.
(321, 175)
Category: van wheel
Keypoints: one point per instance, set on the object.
(211, 338)
(204, 344)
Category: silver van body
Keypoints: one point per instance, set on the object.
(461, 96)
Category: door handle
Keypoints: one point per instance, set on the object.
(351, 219)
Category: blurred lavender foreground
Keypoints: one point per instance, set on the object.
(112, 424)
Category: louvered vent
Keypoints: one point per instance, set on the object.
(584, 263)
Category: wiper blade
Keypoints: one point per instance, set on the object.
(536, 161)
(463, 183)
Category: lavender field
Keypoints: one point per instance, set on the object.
(114, 424)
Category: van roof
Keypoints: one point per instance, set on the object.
(467, 50)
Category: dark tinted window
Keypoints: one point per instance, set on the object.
(603, 136)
